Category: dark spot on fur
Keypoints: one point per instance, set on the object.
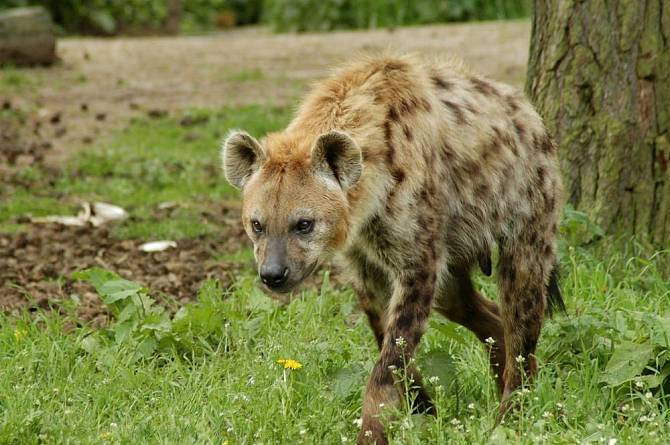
(408, 105)
(468, 106)
(416, 338)
(377, 233)
(399, 175)
(547, 146)
(483, 87)
(482, 191)
(387, 132)
(472, 168)
(456, 111)
(394, 66)
(512, 104)
(392, 114)
(441, 83)
(407, 131)
(520, 129)
(508, 271)
(405, 320)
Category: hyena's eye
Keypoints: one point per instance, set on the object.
(256, 226)
(304, 226)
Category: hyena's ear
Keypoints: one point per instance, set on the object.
(241, 155)
(335, 153)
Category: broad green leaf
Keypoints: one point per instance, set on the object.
(146, 348)
(115, 290)
(439, 364)
(346, 381)
(628, 362)
(90, 344)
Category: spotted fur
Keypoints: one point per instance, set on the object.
(452, 165)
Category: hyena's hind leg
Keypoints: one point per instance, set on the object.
(373, 289)
(528, 282)
(458, 300)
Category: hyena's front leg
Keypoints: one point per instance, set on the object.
(406, 318)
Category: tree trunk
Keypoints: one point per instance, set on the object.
(27, 37)
(599, 73)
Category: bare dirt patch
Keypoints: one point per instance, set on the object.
(35, 266)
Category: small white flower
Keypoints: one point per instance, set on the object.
(303, 432)
(455, 422)
(612, 441)
(471, 406)
(434, 379)
(392, 367)
(113, 425)
(625, 408)
(648, 395)
(400, 342)
(546, 414)
(639, 384)
(520, 359)
(490, 341)
(644, 419)
(343, 439)
(559, 405)
(524, 391)
(381, 405)
(368, 433)
(358, 422)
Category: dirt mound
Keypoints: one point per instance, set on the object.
(33, 265)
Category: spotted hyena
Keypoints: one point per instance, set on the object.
(409, 172)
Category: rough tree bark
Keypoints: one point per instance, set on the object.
(27, 37)
(599, 72)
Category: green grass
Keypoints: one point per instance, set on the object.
(208, 374)
(218, 380)
(246, 75)
(16, 80)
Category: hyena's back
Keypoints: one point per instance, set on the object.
(475, 149)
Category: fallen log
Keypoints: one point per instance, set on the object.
(27, 37)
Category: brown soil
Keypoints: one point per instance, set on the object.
(35, 266)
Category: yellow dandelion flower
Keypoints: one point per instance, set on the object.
(290, 363)
(19, 334)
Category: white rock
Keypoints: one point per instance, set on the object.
(157, 246)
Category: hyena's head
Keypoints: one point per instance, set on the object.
(294, 199)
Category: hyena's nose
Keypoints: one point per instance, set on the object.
(274, 275)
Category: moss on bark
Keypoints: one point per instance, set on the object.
(599, 72)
